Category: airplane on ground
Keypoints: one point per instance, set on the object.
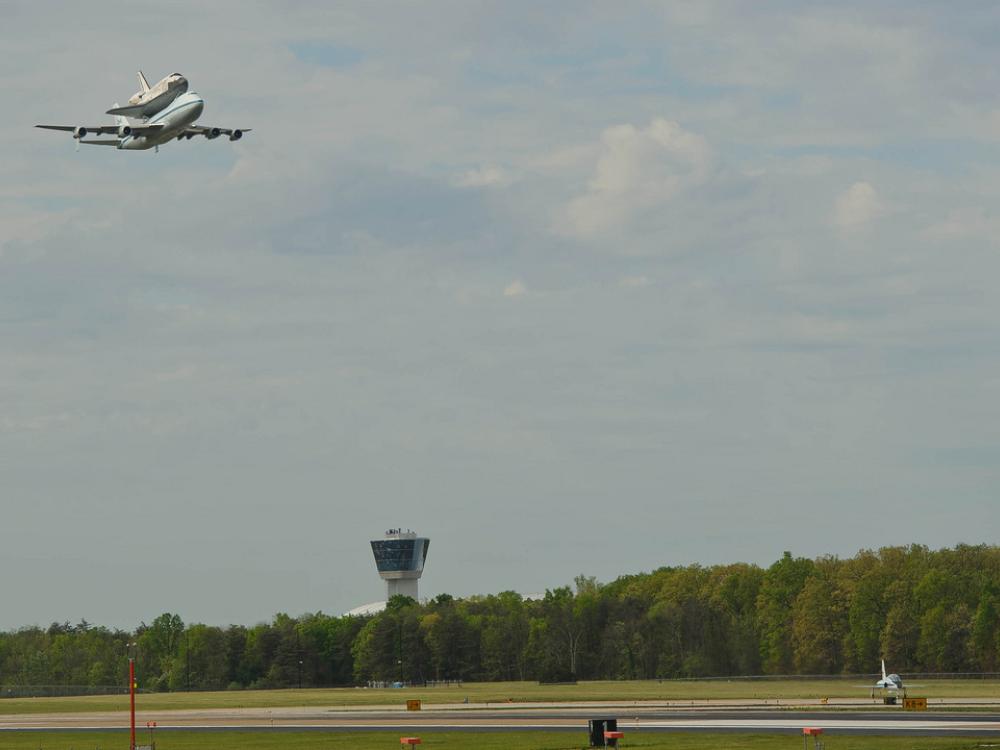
(892, 684)
(155, 115)
(888, 682)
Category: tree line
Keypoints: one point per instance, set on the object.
(920, 610)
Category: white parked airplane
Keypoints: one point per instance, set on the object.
(888, 681)
(892, 684)
(167, 111)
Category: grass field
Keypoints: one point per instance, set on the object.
(497, 692)
(461, 740)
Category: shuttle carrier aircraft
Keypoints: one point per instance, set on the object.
(155, 115)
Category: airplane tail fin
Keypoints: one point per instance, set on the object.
(119, 119)
(143, 83)
(884, 676)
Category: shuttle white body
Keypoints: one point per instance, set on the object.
(152, 99)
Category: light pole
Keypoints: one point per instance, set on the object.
(298, 653)
(399, 655)
(130, 648)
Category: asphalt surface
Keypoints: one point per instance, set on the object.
(568, 718)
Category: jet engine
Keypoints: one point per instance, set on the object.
(124, 130)
(80, 132)
(236, 135)
(212, 133)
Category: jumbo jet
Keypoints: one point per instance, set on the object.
(155, 115)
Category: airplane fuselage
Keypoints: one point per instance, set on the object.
(890, 682)
(175, 117)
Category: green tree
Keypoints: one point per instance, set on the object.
(985, 632)
(504, 637)
(819, 624)
(866, 611)
(159, 644)
(564, 617)
(781, 585)
(201, 658)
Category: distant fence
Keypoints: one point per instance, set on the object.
(61, 691)
(832, 677)
(412, 683)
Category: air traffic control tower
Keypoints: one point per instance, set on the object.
(400, 561)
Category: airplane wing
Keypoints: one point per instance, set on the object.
(113, 142)
(103, 129)
(209, 132)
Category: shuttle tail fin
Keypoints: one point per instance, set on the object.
(134, 110)
(143, 83)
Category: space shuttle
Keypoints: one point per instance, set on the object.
(149, 100)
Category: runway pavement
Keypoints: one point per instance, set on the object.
(565, 717)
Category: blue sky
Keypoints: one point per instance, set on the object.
(573, 288)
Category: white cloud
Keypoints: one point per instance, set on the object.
(515, 289)
(35, 423)
(182, 372)
(815, 328)
(966, 223)
(857, 206)
(484, 176)
(637, 170)
(634, 281)
(335, 309)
